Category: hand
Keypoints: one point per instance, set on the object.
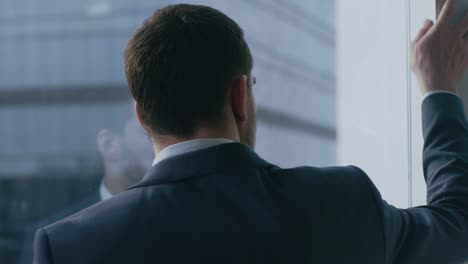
(439, 54)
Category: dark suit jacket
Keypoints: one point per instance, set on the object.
(26, 256)
(226, 205)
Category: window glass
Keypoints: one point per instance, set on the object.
(67, 123)
(379, 99)
(419, 11)
(372, 74)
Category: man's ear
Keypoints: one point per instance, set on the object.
(108, 145)
(238, 99)
(138, 114)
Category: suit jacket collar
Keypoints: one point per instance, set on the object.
(225, 157)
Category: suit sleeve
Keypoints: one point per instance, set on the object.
(42, 249)
(438, 232)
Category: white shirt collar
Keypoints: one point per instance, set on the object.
(188, 146)
(104, 192)
(172, 151)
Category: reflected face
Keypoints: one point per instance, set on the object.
(138, 148)
(127, 154)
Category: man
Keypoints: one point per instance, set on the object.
(210, 199)
(126, 156)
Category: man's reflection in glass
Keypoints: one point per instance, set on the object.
(126, 156)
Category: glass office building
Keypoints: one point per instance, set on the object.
(62, 82)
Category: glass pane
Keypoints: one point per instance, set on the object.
(67, 122)
(419, 11)
(372, 93)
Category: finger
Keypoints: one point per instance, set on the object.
(462, 27)
(423, 31)
(447, 12)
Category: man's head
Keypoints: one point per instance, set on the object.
(189, 70)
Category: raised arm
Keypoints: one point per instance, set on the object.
(438, 232)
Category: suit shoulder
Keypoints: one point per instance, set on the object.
(42, 249)
(341, 184)
(118, 207)
(325, 175)
(103, 222)
(337, 193)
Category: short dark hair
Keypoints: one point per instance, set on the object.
(179, 64)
